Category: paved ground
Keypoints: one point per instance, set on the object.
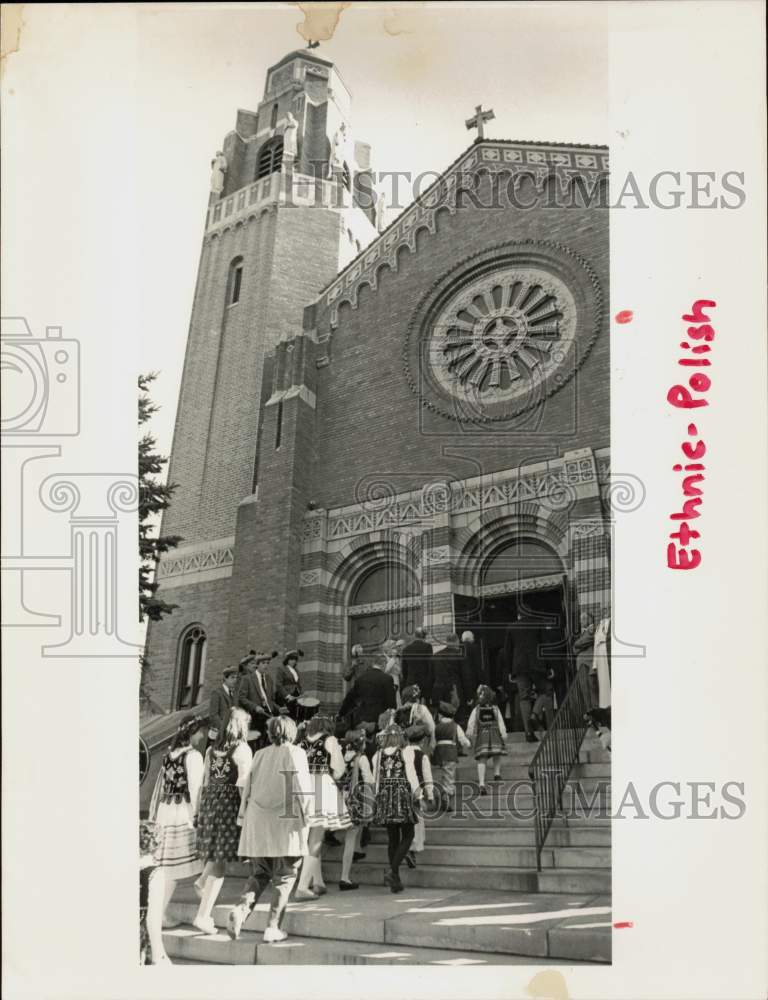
(467, 924)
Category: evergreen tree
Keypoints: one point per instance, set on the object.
(154, 497)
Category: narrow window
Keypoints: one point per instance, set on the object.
(192, 651)
(273, 119)
(279, 425)
(235, 283)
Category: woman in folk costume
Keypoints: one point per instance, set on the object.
(397, 790)
(274, 818)
(288, 682)
(174, 806)
(151, 898)
(327, 811)
(419, 714)
(417, 734)
(487, 733)
(227, 764)
(357, 786)
(601, 665)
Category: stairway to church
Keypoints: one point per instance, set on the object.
(475, 896)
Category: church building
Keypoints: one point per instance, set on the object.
(384, 426)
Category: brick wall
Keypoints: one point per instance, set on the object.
(370, 424)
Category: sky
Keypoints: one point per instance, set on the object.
(415, 72)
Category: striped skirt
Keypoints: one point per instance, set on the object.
(177, 850)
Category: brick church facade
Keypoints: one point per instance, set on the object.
(379, 427)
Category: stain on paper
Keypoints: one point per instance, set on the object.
(320, 20)
(11, 27)
(548, 985)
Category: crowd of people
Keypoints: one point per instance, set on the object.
(267, 778)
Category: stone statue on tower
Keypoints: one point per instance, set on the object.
(218, 171)
(338, 148)
(290, 135)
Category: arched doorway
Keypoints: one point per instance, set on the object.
(385, 603)
(519, 576)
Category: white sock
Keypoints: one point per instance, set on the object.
(481, 772)
(211, 892)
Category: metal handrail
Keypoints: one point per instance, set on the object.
(556, 756)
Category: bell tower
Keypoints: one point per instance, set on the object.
(291, 203)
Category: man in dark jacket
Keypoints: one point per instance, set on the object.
(371, 694)
(417, 664)
(256, 695)
(447, 664)
(222, 701)
(523, 644)
(470, 676)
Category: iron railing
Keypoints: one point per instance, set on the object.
(556, 756)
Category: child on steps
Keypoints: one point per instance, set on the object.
(487, 732)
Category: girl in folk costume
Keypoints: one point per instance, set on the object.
(174, 806)
(419, 714)
(487, 733)
(416, 735)
(227, 764)
(151, 898)
(327, 811)
(357, 786)
(397, 790)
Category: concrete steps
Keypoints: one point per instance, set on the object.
(500, 856)
(418, 926)
(503, 835)
(187, 946)
(461, 876)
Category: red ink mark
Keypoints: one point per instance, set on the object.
(625, 316)
(622, 924)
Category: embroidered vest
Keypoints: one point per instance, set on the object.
(175, 783)
(222, 767)
(318, 757)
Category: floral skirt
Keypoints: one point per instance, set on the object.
(359, 801)
(488, 741)
(394, 803)
(218, 834)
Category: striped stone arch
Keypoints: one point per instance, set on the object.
(476, 542)
(361, 554)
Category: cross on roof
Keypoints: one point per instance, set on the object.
(478, 120)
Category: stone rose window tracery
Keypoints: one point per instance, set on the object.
(502, 334)
(502, 331)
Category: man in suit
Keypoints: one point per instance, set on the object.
(446, 665)
(222, 702)
(417, 664)
(526, 670)
(371, 694)
(256, 694)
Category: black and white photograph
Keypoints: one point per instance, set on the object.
(445, 323)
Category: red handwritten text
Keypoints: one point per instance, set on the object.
(679, 553)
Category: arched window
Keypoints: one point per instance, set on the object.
(270, 158)
(521, 559)
(192, 649)
(235, 281)
(390, 582)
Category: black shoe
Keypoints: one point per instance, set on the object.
(483, 790)
(410, 859)
(348, 886)
(330, 840)
(397, 886)
(496, 777)
(358, 855)
(531, 738)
